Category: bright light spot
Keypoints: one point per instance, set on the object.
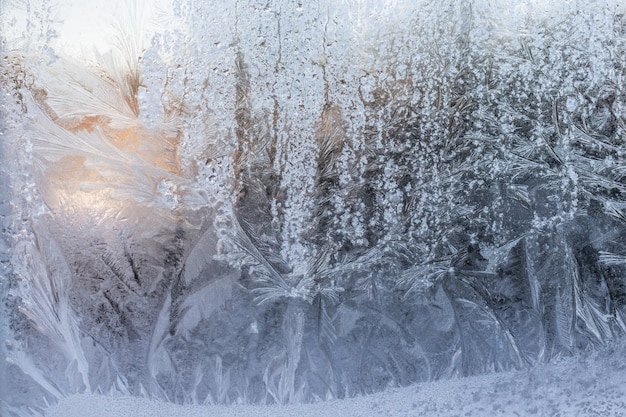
(89, 26)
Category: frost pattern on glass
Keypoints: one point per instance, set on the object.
(281, 202)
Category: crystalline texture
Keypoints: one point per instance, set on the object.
(284, 202)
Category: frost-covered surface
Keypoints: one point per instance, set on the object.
(275, 203)
(585, 386)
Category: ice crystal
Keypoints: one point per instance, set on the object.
(292, 202)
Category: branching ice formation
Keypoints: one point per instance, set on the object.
(281, 202)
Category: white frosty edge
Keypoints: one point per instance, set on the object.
(582, 386)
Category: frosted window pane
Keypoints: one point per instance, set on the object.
(277, 202)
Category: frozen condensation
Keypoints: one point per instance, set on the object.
(280, 202)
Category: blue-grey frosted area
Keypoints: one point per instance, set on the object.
(587, 385)
(278, 202)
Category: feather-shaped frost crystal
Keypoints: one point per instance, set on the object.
(229, 203)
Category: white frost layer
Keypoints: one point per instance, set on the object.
(584, 386)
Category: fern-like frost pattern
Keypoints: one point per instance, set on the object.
(289, 203)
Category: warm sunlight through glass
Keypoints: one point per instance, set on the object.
(351, 207)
